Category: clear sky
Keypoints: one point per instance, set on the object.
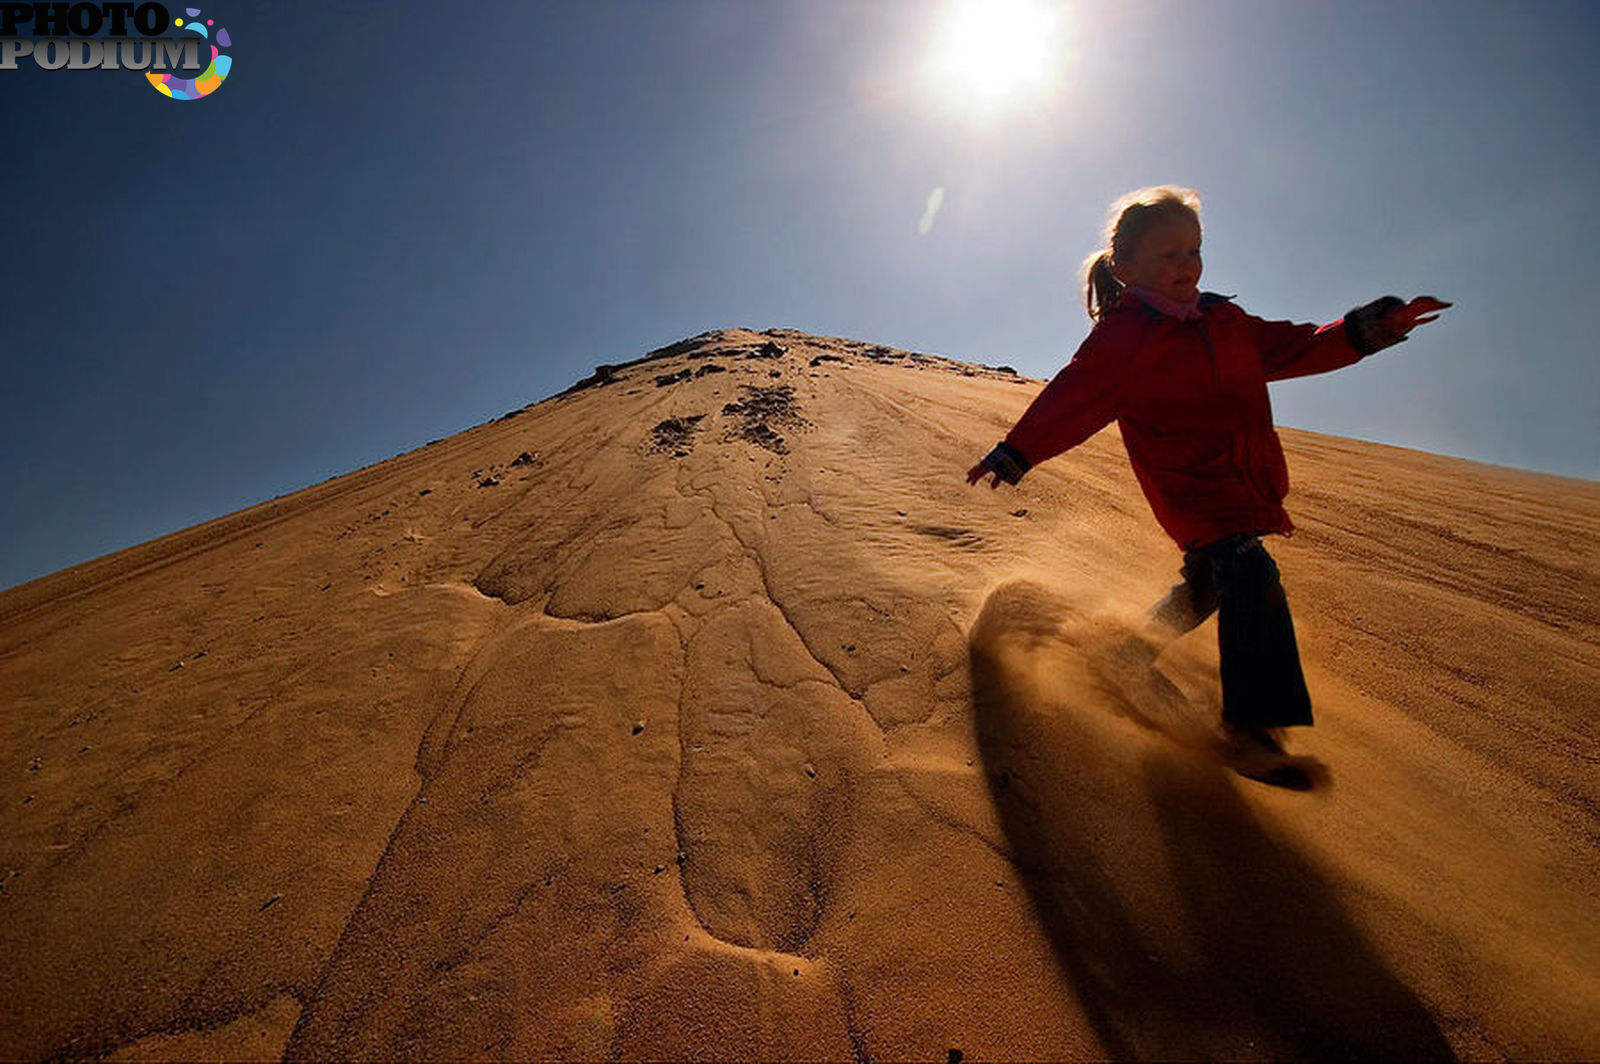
(396, 220)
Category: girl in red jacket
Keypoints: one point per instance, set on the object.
(1184, 374)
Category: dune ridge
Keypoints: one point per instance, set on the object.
(703, 711)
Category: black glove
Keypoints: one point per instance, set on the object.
(1365, 328)
(1006, 462)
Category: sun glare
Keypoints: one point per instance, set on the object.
(988, 52)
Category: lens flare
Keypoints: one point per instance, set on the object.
(931, 211)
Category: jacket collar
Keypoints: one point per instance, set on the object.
(1154, 305)
(1163, 305)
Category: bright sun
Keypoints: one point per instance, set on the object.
(987, 52)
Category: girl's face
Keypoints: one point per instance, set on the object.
(1166, 259)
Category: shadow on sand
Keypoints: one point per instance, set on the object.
(1187, 928)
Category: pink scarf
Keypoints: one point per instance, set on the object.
(1189, 311)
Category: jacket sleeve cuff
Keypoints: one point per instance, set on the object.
(1007, 462)
(1365, 329)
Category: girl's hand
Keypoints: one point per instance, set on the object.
(976, 473)
(1005, 462)
(1408, 316)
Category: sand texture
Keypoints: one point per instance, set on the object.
(704, 711)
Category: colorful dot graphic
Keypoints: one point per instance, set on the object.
(210, 79)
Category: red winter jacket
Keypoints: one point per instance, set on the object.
(1191, 400)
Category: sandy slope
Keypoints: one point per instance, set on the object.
(763, 735)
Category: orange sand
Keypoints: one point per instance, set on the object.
(762, 736)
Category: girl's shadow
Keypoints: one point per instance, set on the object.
(1187, 929)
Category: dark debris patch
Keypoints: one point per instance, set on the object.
(675, 435)
(694, 347)
(770, 349)
(762, 409)
(762, 435)
(685, 347)
(710, 367)
(673, 378)
(603, 374)
(719, 343)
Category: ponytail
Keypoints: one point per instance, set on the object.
(1101, 289)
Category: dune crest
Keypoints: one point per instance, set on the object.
(703, 711)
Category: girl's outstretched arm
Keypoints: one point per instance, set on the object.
(1079, 401)
(1289, 350)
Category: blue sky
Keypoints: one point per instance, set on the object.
(389, 225)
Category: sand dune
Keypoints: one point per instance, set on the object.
(703, 711)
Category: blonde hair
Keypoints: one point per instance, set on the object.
(1132, 216)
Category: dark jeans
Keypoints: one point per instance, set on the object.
(1235, 577)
